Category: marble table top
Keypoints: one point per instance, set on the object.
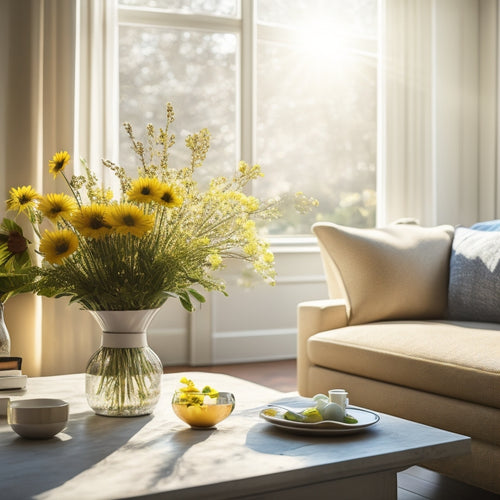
(160, 456)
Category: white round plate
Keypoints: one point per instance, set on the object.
(365, 418)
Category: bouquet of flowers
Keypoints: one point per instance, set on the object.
(161, 237)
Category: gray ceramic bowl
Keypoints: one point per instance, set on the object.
(37, 418)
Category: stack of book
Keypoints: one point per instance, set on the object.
(11, 376)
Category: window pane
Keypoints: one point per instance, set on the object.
(316, 131)
(229, 8)
(196, 72)
(357, 17)
(316, 98)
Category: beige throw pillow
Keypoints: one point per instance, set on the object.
(396, 272)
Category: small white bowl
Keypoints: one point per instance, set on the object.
(37, 418)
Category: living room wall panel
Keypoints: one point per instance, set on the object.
(259, 323)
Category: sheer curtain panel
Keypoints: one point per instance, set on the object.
(42, 42)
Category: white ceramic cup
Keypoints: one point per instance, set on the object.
(339, 396)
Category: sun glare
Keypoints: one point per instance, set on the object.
(323, 46)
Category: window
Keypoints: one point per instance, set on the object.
(312, 122)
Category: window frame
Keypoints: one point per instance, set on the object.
(246, 27)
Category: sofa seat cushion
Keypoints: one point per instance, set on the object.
(455, 359)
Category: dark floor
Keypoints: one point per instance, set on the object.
(279, 375)
(415, 483)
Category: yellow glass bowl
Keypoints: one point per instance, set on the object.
(201, 411)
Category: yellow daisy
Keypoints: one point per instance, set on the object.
(104, 194)
(22, 198)
(168, 196)
(127, 218)
(90, 221)
(145, 189)
(57, 206)
(57, 245)
(58, 162)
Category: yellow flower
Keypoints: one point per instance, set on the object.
(252, 172)
(90, 221)
(57, 206)
(168, 196)
(105, 195)
(145, 189)
(191, 395)
(251, 248)
(251, 203)
(58, 162)
(215, 260)
(190, 385)
(268, 257)
(127, 218)
(249, 230)
(22, 198)
(57, 245)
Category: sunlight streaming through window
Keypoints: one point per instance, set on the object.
(315, 126)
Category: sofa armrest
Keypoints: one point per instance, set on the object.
(313, 317)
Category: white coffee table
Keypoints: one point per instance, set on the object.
(158, 456)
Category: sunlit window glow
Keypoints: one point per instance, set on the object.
(313, 127)
(322, 46)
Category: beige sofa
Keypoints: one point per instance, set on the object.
(403, 333)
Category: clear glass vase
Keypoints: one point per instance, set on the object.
(123, 377)
(4, 335)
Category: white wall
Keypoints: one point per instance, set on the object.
(251, 324)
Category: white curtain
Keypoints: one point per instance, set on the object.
(405, 87)
(489, 178)
(54, 55)
(438, 130)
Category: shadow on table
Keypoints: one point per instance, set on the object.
(266, 438)
(174, 446)
(88, 440)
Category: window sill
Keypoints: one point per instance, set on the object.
(293, 244)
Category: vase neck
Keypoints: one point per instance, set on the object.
(124, 321)
(124, 340)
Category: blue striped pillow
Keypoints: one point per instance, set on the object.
(474, 284)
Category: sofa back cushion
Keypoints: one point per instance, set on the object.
(474, 289)
(397, 272)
